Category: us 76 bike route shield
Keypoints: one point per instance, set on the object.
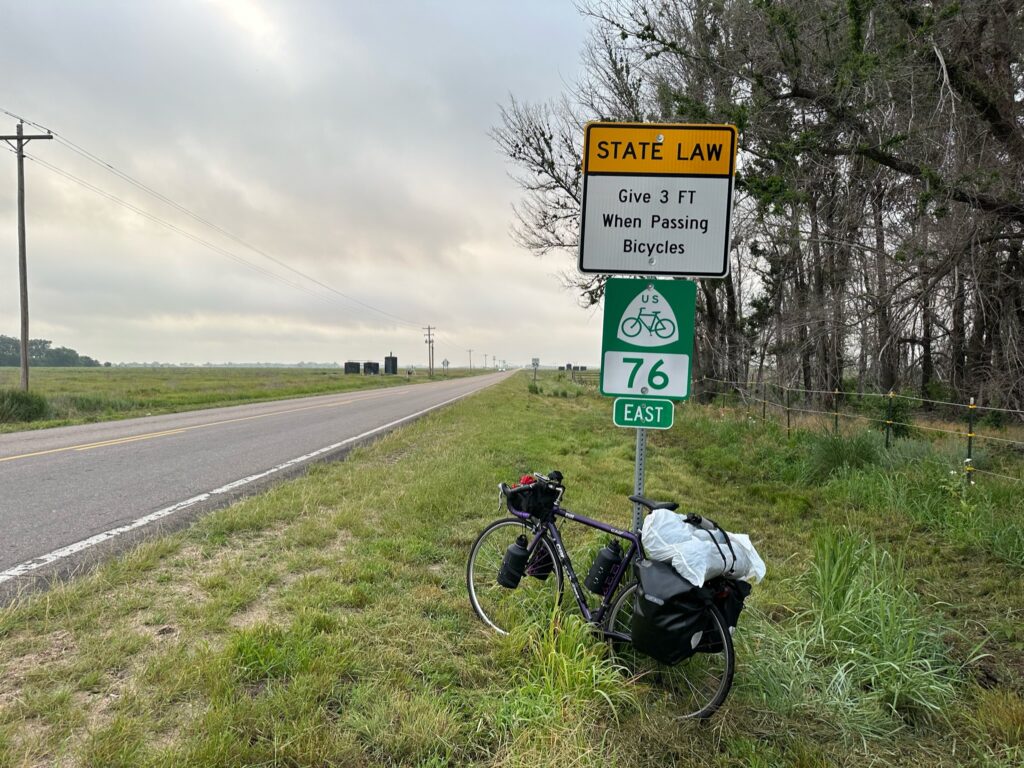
(647, 343)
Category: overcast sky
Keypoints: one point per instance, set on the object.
(345, 138)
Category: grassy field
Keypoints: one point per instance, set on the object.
(79, 395)
(326, 622)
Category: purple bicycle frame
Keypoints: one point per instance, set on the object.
(548, 526)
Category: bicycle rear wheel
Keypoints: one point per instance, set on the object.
(539, 591)
(698, 685)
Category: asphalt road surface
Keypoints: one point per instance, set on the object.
(71, 495)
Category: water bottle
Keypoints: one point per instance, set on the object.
(514, 563)
(607, 560)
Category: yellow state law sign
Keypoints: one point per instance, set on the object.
(700, 150)
(657, 199)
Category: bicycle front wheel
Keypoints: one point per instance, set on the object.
(539, 591)
(697, 686)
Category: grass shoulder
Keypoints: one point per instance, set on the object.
(326, 621)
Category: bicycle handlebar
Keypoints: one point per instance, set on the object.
(553, 480)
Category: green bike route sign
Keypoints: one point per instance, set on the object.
(648, 338)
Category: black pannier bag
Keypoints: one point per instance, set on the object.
(670, 615)
(728, 596)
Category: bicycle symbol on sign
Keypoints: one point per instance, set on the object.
(652, 322)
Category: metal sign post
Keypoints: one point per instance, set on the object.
(639, 474)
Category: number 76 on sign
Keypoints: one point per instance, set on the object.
(646, 373)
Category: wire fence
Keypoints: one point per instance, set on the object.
(895, 414)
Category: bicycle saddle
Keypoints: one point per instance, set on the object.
(669, 505)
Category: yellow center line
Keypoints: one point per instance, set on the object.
(119, 440)
(179, 430)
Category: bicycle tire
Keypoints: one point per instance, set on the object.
(699, 699)
(502, 608)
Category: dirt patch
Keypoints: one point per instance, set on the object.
(59, 645)
(257, 613)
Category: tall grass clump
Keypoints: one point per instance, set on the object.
(988, 516)
(864, 656)
(871, 623)
(16, 405)
(563, 674)
(828, 454)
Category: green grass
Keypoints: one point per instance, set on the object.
(61, 396)
(16, 405)
(326, 622)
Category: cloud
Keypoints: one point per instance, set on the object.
(348, 140)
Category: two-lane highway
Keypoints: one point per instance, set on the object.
(69, 493)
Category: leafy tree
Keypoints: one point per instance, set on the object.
(41, 353)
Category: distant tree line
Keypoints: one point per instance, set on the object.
(878, 232)
(42, 352)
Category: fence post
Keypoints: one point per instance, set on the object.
(888, 419)
(835, 408)
(764, 402)
(969, 461)
(786, 389)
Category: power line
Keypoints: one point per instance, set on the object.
(209, 245)
(91, 157)
(185, 233)
(95, 159)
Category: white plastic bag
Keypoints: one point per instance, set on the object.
(695, 556)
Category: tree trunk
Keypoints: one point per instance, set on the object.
(958, 334)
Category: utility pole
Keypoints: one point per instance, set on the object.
(485, 359)
(470, 359)
(430, 349)
(20, 140)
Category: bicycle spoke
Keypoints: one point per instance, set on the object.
(502, 607)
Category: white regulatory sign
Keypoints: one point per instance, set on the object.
(657, 199)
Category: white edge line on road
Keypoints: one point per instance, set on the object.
(84, 544)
